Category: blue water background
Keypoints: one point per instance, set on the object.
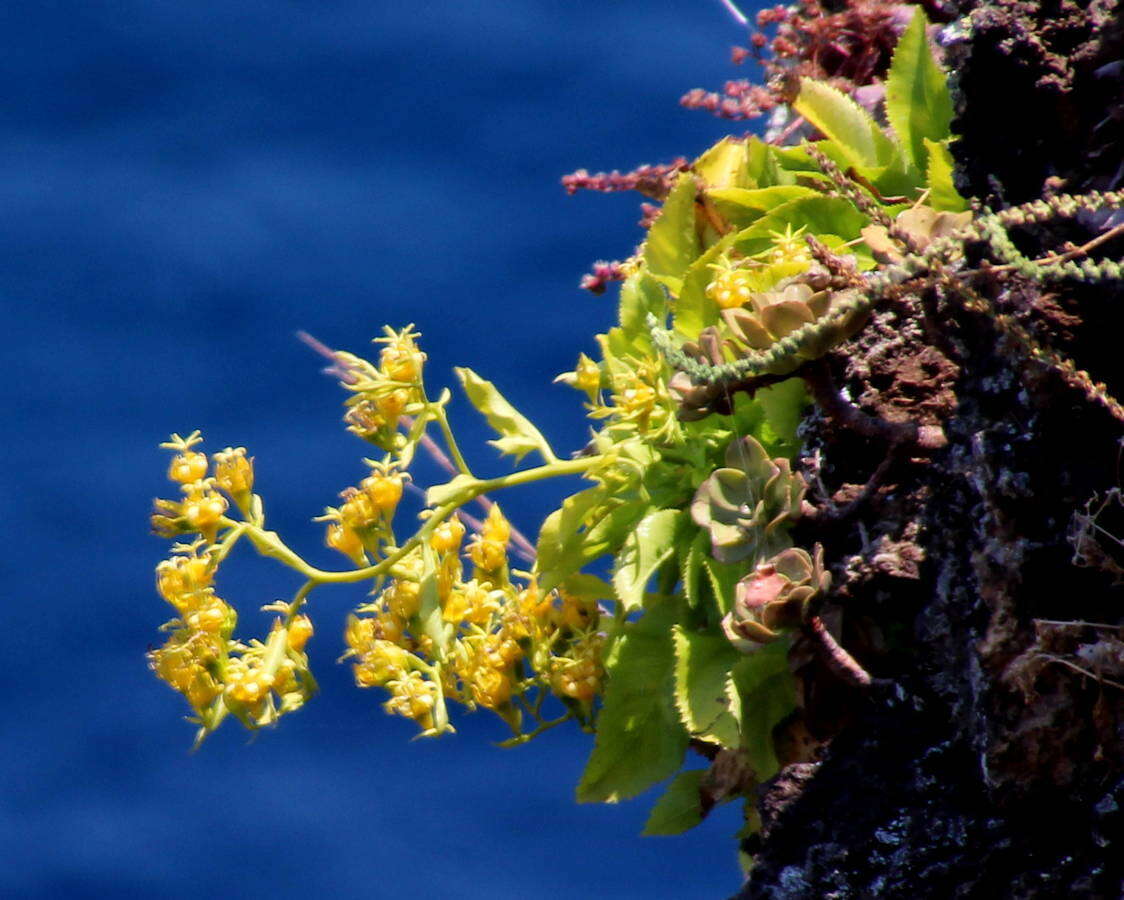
(184, 186)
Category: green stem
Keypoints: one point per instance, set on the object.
(526, 736)
(269, 543)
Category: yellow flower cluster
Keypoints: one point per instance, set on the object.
(639, 400)
(363, 520)
(382, 394)
(200, 659)
(495, 640)
(734, 282)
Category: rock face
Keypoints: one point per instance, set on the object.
(993, 764)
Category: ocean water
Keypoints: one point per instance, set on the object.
(184, 186)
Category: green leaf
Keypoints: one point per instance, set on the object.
(641, 294)
(589, 524)
(768, 694)
(846, 123)
(742, 207)
(645, 549)
(440, 494)
(724, 164)
(722, 578)
(429, 619)
(693, 309)
(708, 703)
(918, 105)
(819, 215)
(943, 195)
(519, 436)
(690, 566)
(673, 242)
(680, 808)
(639, 737)
(784, 406)
(763, 166)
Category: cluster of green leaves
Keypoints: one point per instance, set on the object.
(628, 542)
(673, 676)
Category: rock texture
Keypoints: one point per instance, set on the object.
(992, 763)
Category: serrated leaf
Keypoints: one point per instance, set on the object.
(673, 242)
(708, 704)
(694, 310)
(722, 578)
(641, 294)
(680, 808)
(943, 195)
(741, 207)
(818, 215)
(590, 524)
(768, 694)
(648, 546)
(784, 406)
(724, 164)
(640, 739)
(843, 121)
(440, 494)
(518, 436)
(918, 104)
(690, 567)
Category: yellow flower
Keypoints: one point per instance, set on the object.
(403, 598)
(181, 578)
(300, 631)
(250, 688)
(496, 527)
(345, 540)
(400, 359)
(202, 508)
(447, 536)
(789, 247)
(730, 287)
(471, 602)
(385, 490)
(211, 615)
(234, 474)
(380, 663)
(414, 697)
(491, 687)
(187, 467)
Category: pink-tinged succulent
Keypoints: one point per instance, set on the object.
(746, 505)
(773, 315)
(774, 597)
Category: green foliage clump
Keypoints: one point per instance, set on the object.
(657, 605)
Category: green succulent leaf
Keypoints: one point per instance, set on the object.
(518, 436)
(918, 104)
(640, 739)
(646, 547)
(768, 695)
(846, 123)
(708, 702)
(673, 242)
(680, 808)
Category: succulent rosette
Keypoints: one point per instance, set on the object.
(771, 316)
(774, 597)
(746, 504)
